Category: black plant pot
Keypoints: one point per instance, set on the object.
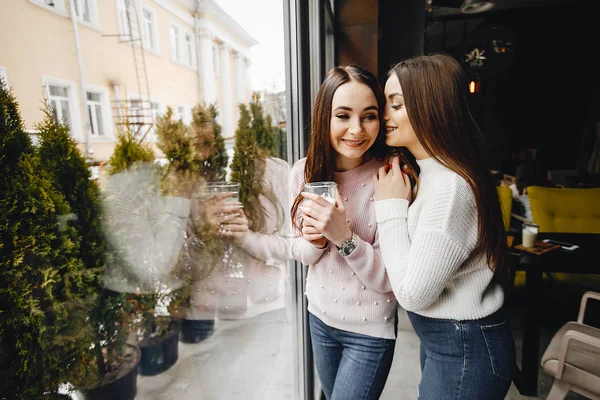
(195, 331)
(122, 388)
(159, 354)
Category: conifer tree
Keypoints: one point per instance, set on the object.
(174, 142)
(128, 151)
(39, 346)
(248, 168)
(95, 313)
(262, 131)
(217, 162)
(280, 143)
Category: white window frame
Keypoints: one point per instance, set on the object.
(4, 76)
(216, 54)
(107, 120)
(76, 128)
(58, 7)
(154, 30)
(93, 12)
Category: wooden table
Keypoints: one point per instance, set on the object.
(585, 260)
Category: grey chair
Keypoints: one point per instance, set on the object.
(573, 357)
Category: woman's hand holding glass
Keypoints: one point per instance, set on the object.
(392, 182)
(228, 216)
(319, 216)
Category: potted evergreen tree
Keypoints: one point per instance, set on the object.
(46, 285)
(108, 365)
(35, 255)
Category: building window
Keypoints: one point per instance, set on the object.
(123, 20)
(175, 45)
(85, 10)
(149, 29)
(188, 49)
(3, 76)
(96, 112)
(136, 115)
(216, 63)
(59, 98)
(183, 113)
(180, 113)
(156, 113)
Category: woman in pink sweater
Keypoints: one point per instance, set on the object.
(352, 309)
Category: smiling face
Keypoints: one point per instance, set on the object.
(398, 129)
(354, 124)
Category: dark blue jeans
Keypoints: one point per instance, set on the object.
(351, 366)
(464, 360)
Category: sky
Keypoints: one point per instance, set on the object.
(263, 20)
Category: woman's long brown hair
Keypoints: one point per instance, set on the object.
(435, 93)
(320, 159)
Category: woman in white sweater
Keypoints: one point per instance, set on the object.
(445, 253)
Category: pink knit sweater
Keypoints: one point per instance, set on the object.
(350, 293)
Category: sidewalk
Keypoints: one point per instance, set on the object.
(254, 359)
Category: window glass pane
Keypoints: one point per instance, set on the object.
(92, 119)
(235, 343)
(93, 96)
(76, 4)
(59, 91)
(148, 29)
(55, 110)
(123, 23)
(86, 10)
(66, 117)
(189, 52)
(175, 42)
(99, 120)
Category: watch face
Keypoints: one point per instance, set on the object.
(349, 248)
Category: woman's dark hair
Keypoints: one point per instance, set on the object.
(435, 93)
(320, 159)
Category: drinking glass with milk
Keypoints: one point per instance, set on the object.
(530, 232)
(327, 190)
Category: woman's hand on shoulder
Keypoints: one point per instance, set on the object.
(391, 182)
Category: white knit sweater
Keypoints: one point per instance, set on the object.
(350, 293)
(427, 249)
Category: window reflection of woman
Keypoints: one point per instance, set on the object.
(249, 280)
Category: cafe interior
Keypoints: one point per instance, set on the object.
(535, 92)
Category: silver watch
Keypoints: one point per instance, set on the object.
(348, 246)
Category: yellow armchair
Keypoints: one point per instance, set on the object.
(505, 195)
(568, 211)
(565, 210)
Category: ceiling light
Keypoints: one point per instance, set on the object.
(476, 6)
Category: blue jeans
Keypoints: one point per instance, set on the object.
(351, 366)
(464, 360)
